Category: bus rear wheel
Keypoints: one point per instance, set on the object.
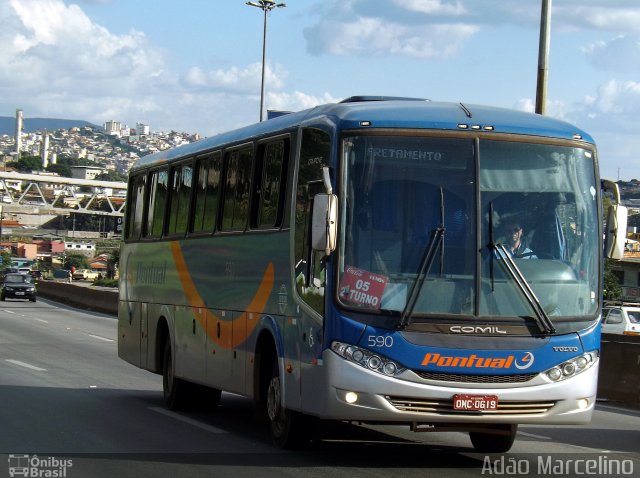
(182, 395)
(498, 442)
(286, 426)
(174, 389)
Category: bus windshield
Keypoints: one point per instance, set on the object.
(425, 219)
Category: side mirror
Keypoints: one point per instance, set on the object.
(324, 225)
(616, 226)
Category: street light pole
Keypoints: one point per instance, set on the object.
(543, 57)
(266, 6)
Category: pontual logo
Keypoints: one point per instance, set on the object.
(525, 362)
(473, 361)
(476, 329)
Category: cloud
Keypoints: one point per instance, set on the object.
(57, 62)
(602, 15)
(296, 101)
(616, 99)
(350, 28)
(432, 6)
(610, 115)
(621, 54)
(235, 80)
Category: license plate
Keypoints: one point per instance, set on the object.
(475, 402)
(19, 293)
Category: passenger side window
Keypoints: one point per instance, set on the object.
(180, 198)
(614, 317)
(158, 184)
(235, 211)
(271, 178)
(310, 269)
(207, 186)
(135, 203)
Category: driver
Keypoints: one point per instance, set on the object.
(515, 243)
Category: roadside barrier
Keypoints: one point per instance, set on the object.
(90, 298)
(619, 376)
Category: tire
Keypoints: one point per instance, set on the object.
(175, 390)
(286, 426)
(33, 299)
(2, 298)
(182, 395)
(500, 442)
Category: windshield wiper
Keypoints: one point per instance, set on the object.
(435, 244)
(542, 319)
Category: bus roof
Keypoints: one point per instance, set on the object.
(386, 112)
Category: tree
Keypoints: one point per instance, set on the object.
(612, 289)
(6, 259)
(111, 176)
(79, 261)
(113, 262)
(27, 164)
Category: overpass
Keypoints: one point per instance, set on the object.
(56, 195)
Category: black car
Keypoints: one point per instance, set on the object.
(18, 286)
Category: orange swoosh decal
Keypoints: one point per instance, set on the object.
(209, 321)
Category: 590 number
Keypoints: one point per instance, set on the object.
(380, 341)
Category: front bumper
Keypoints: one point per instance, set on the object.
(19, 294)
(393, 400)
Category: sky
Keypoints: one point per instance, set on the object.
(195, 65)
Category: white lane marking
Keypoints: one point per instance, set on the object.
(42, 320)
(190, 421)
(531, 435)
(607, 407)
(8, 311)
(26, 365)
(101, 338)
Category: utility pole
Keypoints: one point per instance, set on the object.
(543, 57)
(266, 6)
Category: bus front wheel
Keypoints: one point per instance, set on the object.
(498, 442)
(286, 426)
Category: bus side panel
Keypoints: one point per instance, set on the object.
(129, 332)
(311, 370)
(238, 354)
(292, 332)
(190, 342)
(219, 353)
(144, 335)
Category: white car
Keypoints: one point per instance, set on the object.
(85, 274)
(621, 319)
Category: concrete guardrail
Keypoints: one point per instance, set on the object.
(619, 378)
(85, 297)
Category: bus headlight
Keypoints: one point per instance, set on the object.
(367, 359)
(572, 367)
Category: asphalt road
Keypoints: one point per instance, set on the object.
(69, 406)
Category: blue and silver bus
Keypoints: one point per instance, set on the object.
(380, 260)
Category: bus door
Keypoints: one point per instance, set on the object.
(310, 269)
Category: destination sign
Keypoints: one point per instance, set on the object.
(398, 153)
